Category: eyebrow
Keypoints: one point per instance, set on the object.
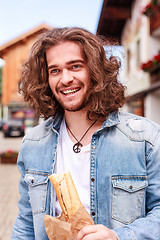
(68, 63)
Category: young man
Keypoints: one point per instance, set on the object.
(113, 157)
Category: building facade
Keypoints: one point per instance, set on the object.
(14, 53)
(141, 41)
(136, 26)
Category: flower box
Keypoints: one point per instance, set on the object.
(8, 157)
(152, 65)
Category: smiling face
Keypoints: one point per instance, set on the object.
(69, 77)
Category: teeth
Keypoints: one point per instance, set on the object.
(70, 91)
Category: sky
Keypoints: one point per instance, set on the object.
(20, 16)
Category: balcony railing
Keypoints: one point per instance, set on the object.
(152, 66)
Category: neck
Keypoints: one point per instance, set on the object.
(78, 123)
(77, 118)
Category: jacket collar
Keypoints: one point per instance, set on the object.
(111, 120)
(54, 123)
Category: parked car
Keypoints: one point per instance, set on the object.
(13, 128)
(1, 124)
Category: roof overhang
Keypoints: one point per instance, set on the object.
(113, 17)
(22, 38)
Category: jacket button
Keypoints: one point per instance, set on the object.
(130, 187)
(92, 179)
(93, 214)
(32, 181)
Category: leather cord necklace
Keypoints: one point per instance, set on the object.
(77, 146)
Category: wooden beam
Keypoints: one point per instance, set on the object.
(117, 13)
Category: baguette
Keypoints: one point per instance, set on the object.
(66, 193)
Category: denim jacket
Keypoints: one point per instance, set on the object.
(124, 178)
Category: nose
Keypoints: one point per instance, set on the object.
(66, 77)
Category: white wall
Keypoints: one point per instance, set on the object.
(152, 106)
(154, 46)
(136, 30)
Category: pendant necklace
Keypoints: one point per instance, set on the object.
(77, 146)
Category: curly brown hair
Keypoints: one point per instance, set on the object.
(106, 92)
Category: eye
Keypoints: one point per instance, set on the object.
(76, 66)
(54, 71)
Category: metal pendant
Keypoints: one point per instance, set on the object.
(77, 147)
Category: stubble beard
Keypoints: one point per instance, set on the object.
(78, 106)
(75, 108)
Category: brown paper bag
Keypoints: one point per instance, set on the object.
(58, 229)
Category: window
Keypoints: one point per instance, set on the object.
(128, 61)
(138, 55)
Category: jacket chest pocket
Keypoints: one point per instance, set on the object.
(37, 185)
(128, 197)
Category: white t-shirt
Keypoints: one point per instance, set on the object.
(77, 163)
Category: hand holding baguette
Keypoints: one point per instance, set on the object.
(76, 216)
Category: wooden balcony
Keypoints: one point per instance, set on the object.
(154, 21)
(155, 75)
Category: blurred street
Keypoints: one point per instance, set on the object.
(10, 143)
(9, 193)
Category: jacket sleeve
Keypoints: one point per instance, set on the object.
(149, 226)
(23, 228)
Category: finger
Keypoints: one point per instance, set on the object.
(85, 231)
(91, 236)
(96, 232)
